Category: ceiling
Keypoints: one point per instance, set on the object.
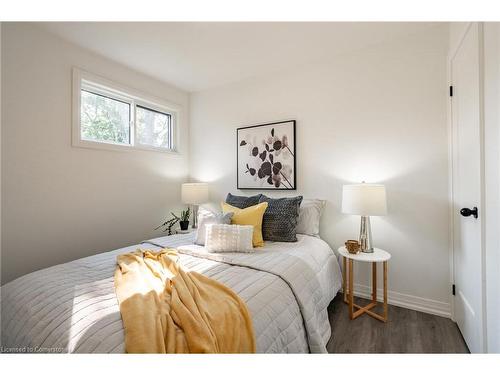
(195, 56)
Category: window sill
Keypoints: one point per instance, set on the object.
(120, 147)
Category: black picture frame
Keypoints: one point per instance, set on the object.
(286, 184)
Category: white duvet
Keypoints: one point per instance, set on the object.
(72, 307)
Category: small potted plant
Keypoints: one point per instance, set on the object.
(169, 224)
(184, 219)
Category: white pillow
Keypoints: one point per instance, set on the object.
(206, 217)
(309, 216)
(222, 238)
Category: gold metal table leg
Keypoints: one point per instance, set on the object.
(385, 291)
(344, 278)
(351, 290)
(357, 310)
(374, 283)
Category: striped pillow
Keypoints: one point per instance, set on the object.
(222, 238)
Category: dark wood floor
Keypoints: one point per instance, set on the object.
(407, 331)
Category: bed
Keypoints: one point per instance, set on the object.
(72, 307)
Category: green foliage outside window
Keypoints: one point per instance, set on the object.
(104, 119)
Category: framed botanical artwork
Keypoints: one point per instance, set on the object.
(266, 156)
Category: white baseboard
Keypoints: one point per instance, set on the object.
(407, 301)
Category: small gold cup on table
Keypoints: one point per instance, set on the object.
(352, 246)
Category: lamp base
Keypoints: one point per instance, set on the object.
(195, 216)
(365, 235)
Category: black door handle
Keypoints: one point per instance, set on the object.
(467, 212)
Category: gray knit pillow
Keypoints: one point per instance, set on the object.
(242, 202)
(280, 219)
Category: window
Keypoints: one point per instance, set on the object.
(103, 119)
(108, 116)
(153, 127)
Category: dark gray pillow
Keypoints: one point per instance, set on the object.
(242, 202)
(280, 219)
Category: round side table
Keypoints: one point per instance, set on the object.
(377, 256)
(180, 231)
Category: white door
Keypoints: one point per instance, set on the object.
(467, 175)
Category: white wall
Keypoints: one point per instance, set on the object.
(378, 115)
(61, 202)
(492, 181)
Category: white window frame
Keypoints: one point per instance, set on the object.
(99, 85)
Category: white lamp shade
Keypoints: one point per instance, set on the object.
(194, 193)
(364, 199)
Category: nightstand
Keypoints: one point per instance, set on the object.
(189, 230)
(378, 256)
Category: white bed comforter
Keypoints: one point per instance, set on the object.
(72, 307)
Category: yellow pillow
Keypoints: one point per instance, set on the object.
(249, 216)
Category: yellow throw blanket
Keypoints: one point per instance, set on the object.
(167, 310)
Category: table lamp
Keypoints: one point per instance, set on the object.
(194, 193)
(365, 200)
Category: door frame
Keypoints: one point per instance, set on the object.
(451, 173)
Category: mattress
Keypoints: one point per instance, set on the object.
(72, 307)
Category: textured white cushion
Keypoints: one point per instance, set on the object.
(206, 217)
(229, 238)
(309, 216)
